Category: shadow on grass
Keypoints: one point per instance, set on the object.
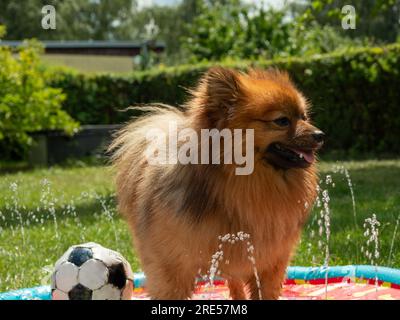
(85, 211)
(9, 167)
(13, 167)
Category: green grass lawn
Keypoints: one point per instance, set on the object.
(44, 211)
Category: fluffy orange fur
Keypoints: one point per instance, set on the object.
(176, 212)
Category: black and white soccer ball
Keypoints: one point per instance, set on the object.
(91, 272)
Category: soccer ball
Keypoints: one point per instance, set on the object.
(91, 272)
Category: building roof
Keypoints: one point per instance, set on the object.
(92, 44)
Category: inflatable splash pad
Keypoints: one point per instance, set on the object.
(302, 283)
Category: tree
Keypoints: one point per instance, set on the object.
(22, 18)
(76, 19)
(96, 20)
(172, 21)
(377, 20)
(231, 29)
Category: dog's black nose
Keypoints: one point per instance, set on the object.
(318, 136)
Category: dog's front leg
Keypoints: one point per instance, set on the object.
(236, 289)
(270, 284)
(169, 283)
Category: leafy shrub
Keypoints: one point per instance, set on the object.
(231, 28)
(355, 94)
(27, 103)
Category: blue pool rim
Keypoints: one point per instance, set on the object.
(351, 272)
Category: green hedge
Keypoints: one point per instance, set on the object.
(355, 93)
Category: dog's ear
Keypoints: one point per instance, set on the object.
(217, 95)
(223, 87)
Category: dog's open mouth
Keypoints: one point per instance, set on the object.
(286, 157)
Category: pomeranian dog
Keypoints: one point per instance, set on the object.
(178, 212)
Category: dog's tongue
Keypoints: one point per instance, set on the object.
(307, 155)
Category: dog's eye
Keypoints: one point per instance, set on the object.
(282, 122)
